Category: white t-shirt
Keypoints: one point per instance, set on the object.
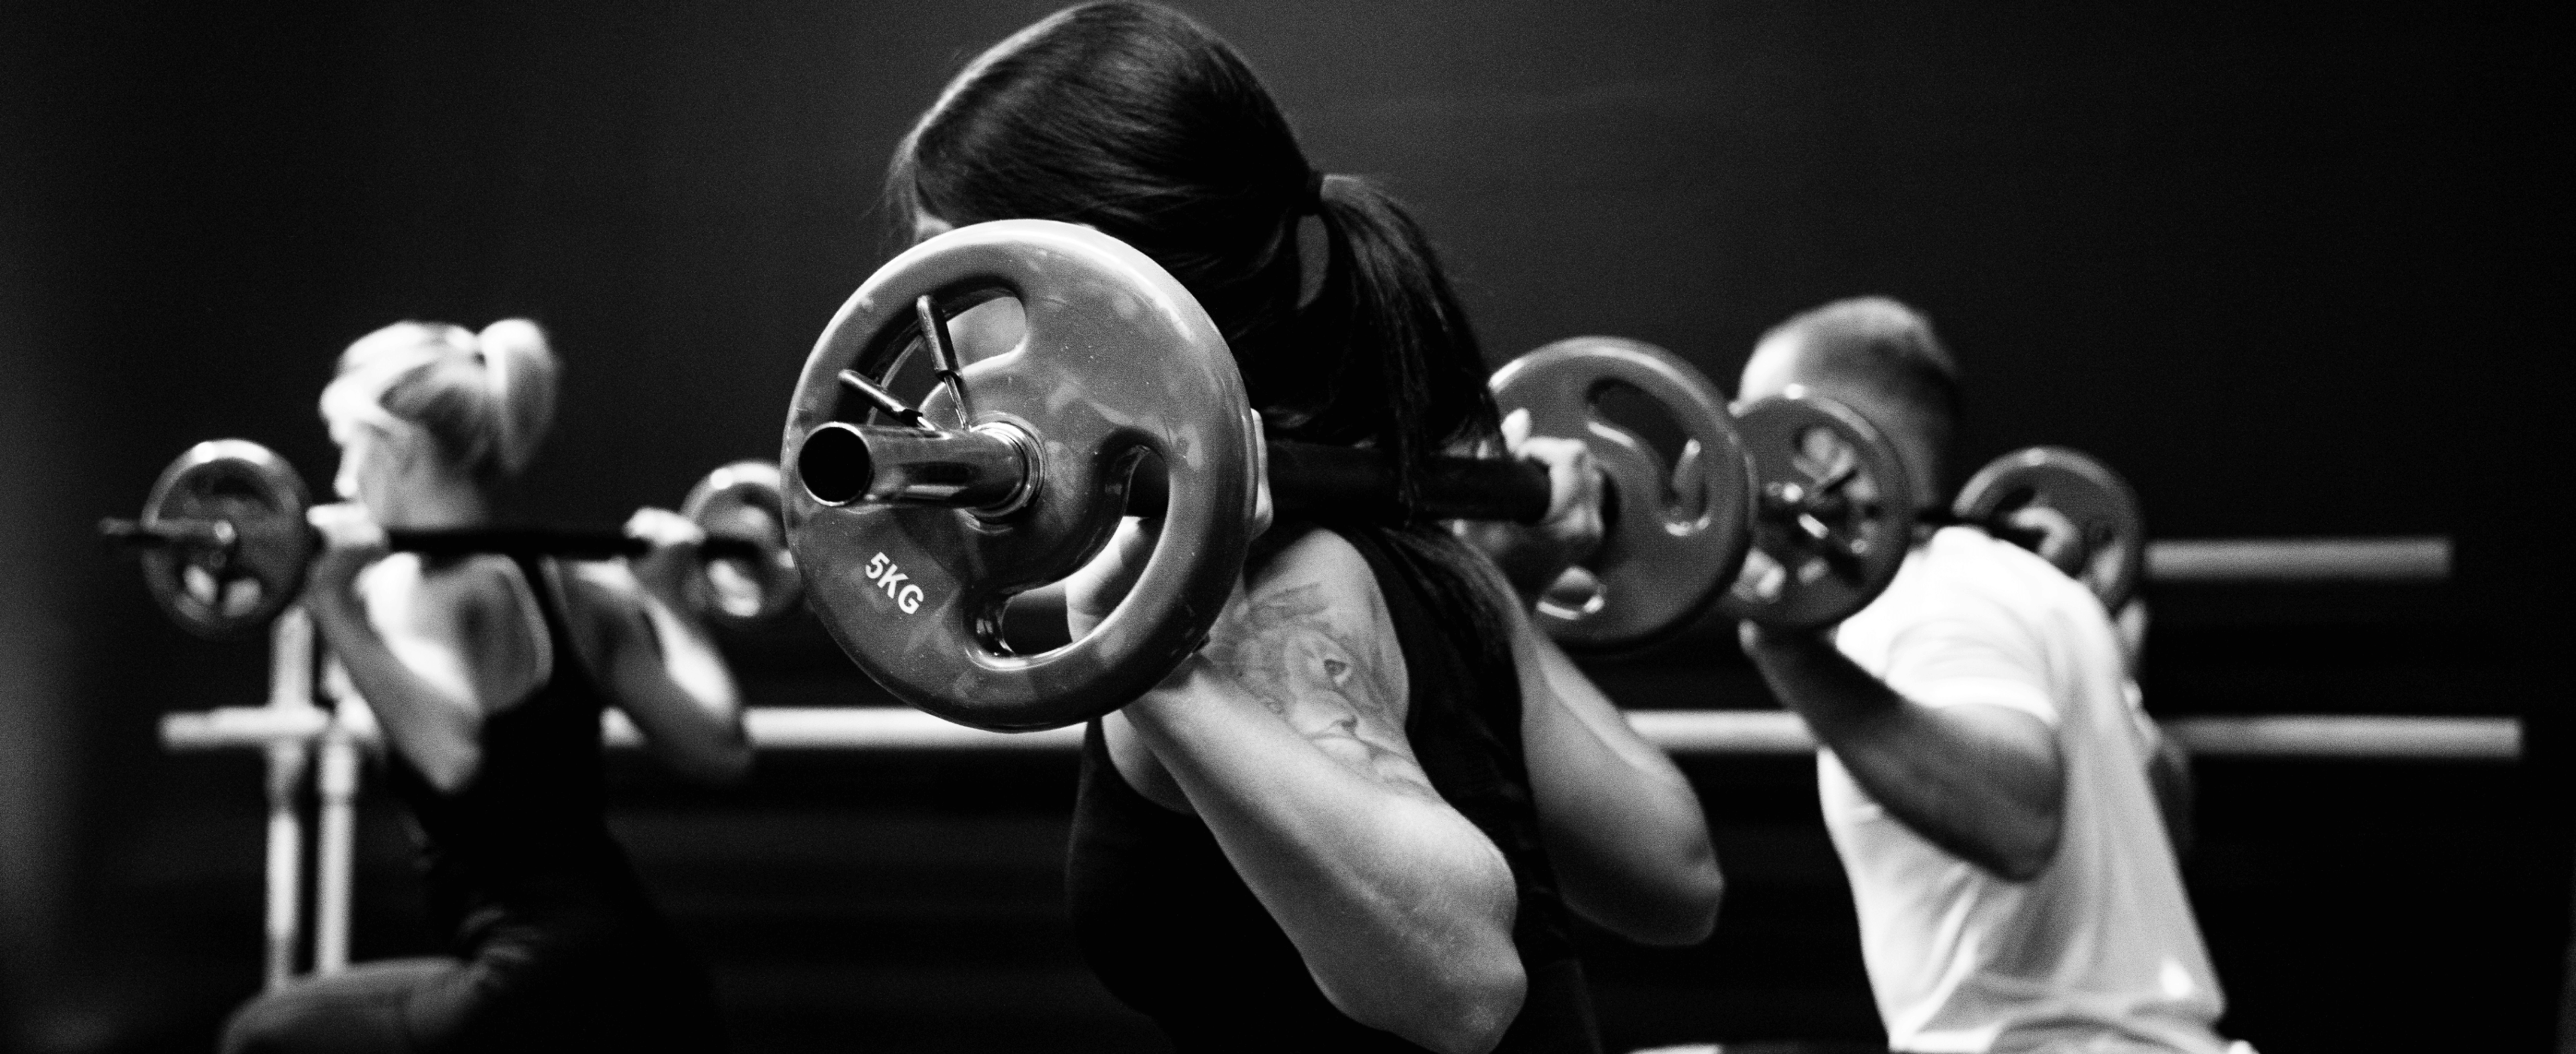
(2099, 952)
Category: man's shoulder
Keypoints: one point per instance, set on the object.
(1971, 550)
(1962, 569)
(1964, 585)
(1964, 564)
(1961, 585)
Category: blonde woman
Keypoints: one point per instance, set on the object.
(488, 675)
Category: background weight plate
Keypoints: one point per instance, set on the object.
(2109, 532)
(229, 593)
(1675, 526)
(1791, 580)
(742, 501)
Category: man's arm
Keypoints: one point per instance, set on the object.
(1982, 781)
(2169, 772)
(2168, 764)
(2169, 775)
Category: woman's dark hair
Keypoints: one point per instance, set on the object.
(1138, 121)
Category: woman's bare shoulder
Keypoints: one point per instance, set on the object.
(1326, 571)
(1313, 641)
(468, 588)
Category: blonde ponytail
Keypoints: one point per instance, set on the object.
(519, 369)
(484, 399)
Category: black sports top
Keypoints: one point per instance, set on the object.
(561, 948)
(531, 825)
(1173, 932)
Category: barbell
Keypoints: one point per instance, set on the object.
(225, 545)
(915, 525)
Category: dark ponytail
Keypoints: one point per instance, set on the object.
(1138, 121)
(1406, 373)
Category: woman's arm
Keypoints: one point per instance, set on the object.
(663, 669)
(429, 691)
(659, 664)
(1626, 832)
(1621, 824)
(1286, 736)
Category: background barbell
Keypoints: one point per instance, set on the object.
(224, 544)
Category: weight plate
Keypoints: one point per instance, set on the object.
(1117, 361)
(2071, 509)
(1833, 513)
(741, 501)
(1675, 527)
(228, 592)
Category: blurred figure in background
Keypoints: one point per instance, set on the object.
(1986, 771)
(488, 675)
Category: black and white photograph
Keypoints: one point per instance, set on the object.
(1198, 526)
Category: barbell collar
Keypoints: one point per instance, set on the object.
(986, 468)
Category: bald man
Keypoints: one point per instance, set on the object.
(1983, 764)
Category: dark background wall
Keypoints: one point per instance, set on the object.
(2295, 271)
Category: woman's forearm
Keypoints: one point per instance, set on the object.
(694, 664)
(674, 683)
(1401, 908)
(1625, 830)
(434, 728)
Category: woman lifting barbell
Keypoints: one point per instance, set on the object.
(1355, 820)
(488, 674)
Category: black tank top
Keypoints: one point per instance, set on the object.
(1174, 932)
(530, 827)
